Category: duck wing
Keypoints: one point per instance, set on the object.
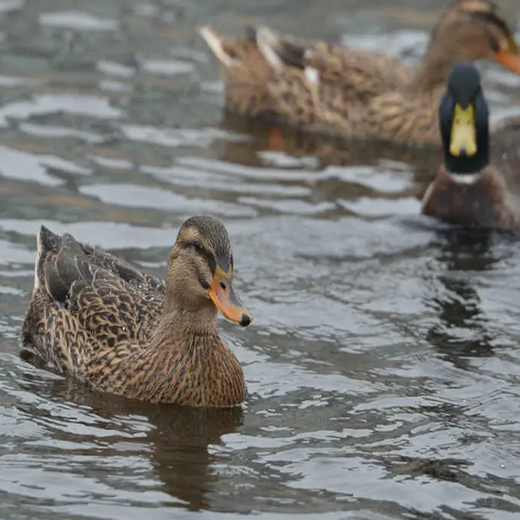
(86, 302)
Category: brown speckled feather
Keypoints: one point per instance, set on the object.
(505, 151)
(326, 88)
(355, 74)
(98, 318)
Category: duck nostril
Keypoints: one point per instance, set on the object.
(223, 286)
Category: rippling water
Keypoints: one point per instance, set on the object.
(383, 364)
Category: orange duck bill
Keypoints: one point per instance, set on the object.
(226, 300)
(509, 57)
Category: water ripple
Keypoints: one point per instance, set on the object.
(383, 364)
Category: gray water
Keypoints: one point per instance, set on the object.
(384, 361)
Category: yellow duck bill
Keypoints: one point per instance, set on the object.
(227, 302)
(463, 134)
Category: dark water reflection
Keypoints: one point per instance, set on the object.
(461, 332)
(173, 439)
(383, 365)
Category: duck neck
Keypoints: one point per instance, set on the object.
(198, 368)
(435, 68)
(470, 166)
(194, 327)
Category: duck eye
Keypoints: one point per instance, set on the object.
(197, 246)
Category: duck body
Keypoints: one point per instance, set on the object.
(476, 186)
(327, 88)
(483, 201)
(122, 331)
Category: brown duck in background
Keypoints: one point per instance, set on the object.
(327, 88)
(100, 319)
(475, 188)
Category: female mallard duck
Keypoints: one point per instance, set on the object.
(122, 331)
(321, 87)
(474, 187)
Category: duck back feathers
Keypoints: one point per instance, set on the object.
(85, 297)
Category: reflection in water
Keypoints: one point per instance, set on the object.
(467, 249)
(462, 332)
(322, 149)
(177, 440)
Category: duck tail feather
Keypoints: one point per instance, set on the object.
(281, 50)
(215, 43)
(47, 242)
(268, 44)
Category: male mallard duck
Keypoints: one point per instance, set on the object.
(322, 87)
(474, 187)
(122, 331)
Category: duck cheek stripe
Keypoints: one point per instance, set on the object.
(204, 283)
(492, 19)
(210, 259)
(212, 263)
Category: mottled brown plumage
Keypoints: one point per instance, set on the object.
(480, 189)
(100, 319)
(327, 88)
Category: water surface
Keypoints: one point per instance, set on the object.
(383, 365)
